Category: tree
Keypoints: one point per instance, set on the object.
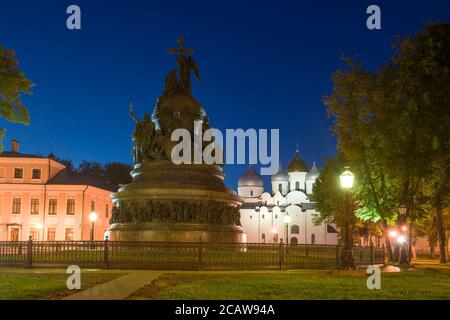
(389, 122)
(94, 169)
(114, 172)
(117, 172)
(330, 197)
(13, 83)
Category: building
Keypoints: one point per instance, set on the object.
(41, 198)
(285, 212)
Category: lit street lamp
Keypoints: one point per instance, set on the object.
(39, 226)
(401, 239)
(93, 218)
(347, 178)
(286, 221)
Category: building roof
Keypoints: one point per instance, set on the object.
(11, 154)
(313, 174)
(71, 177)
(297, 165)
(250, 179)
(281, 175)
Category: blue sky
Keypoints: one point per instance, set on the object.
(264, 64)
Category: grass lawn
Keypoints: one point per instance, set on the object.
(421, 283)
(28, 286)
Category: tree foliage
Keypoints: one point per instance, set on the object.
(13, 83)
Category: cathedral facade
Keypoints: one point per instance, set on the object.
(285, 212)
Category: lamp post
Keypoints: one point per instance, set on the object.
(286, 221)
(92, 218)
(347, 178)
(401, 239)
(39, 227)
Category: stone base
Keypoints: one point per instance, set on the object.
(176, 232)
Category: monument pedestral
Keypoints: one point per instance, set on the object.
(168, 202)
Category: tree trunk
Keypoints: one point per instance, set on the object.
(387, 240)
(440, 230)
(389, 249)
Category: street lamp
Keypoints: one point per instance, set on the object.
(401, 239)
(347, 178)
(286, 221)
(39, 226)
(92, 218)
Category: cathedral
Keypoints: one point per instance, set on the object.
(285, 212)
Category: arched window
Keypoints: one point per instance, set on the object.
(294, 240)
(295, 229)
(280, 187)
(313, 238)
(263, 237)
(297, 185)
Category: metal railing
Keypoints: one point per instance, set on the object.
(180, 255)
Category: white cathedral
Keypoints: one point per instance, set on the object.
(286, 212)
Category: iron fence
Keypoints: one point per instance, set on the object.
(180, 255)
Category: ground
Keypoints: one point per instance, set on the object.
(21, 284)
(428, 280)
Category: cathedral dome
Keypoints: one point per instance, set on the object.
(281, 175)
(297, 165)
(313, 174)
(250, 179)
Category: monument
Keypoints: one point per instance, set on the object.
(165, 201)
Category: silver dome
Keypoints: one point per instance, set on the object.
(313, 174)
(250, 179)
(281, 175)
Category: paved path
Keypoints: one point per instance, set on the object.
(117, 289)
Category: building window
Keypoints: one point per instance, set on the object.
(276, 216)
(69, 234)
(294, 240)
(36, 174)
(251, 193)
(263, 237)
(331, 229)
(34, 234)
(14, 234)
(280, 188)
(262, 217)
(251, 217)
(275, 237)
(313, 238)
(51, 234)
(295, 229)
(92, 206)
(297, 185)
(16, 205)
(34, 209)
(52, 206)
(107, 211)
(18, 173)
(70, 207)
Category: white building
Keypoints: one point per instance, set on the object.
(285, 211)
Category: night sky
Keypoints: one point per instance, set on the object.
(264, 64)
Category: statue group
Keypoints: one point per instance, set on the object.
(189, 200)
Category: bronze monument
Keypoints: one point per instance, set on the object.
(165, 201)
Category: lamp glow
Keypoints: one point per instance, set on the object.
(404, 228)
(401, 239)
(274, 230)
(347, 178)
(287, 219)
(393, 233)
(93, 216)
(39, 225)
